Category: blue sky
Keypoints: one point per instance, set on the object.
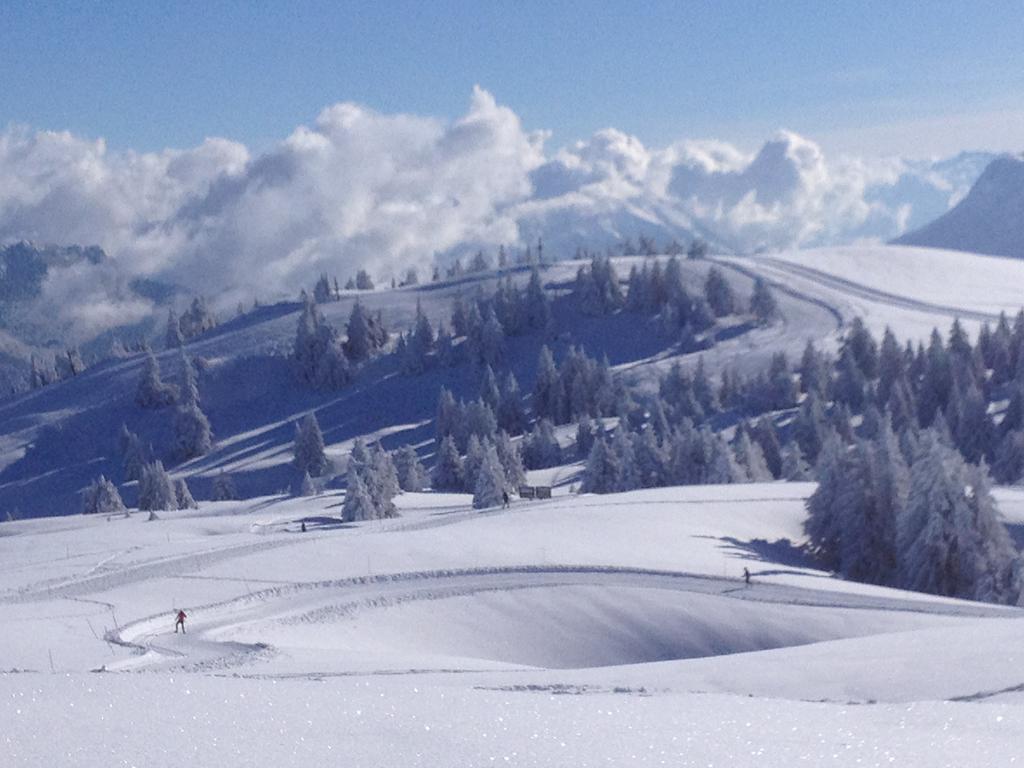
(867, 78)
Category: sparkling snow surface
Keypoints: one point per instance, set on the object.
(585, 630)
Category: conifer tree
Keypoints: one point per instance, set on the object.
(183, 496)
(489, 487)
(156, 491)
(308, 447)
(411, 475)
(152, 392)
(448, 474)
(102, 498)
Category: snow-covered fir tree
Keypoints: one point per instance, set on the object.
(411, 474)
(763, 306)
(540, 447)
(489, 487)
(448, 474)
(308, 451)
(718, 293)
(183, 496)
(192, 433)
(102, 498)
(156, 491)
(224, 487)
(358, 504)
(173, 338)
(320, 360)
(511, 460)
(197, 319)
(152, 392)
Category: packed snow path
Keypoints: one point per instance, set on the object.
(685, 618)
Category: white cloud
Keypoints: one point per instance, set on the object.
(360, 189)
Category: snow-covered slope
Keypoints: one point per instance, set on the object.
(584, 630)
(912, 290)
(989, 220)
(56, 440)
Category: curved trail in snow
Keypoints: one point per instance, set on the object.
(317, 603)
(861, 291)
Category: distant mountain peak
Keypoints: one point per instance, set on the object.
(990, 219)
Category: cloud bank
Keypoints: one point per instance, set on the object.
(360, 189)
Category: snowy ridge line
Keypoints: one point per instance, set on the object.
(129, 634)
(834, 311)
(171, 565)
(873, 294)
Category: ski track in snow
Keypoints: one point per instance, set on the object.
(347, 597)
(846, 286)
(173, 565)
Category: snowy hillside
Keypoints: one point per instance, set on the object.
(988, 220)
(581, 630)
(912, 290)
(56, 440)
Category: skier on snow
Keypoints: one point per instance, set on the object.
(180, 622)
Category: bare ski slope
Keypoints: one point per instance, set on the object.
(581, 630)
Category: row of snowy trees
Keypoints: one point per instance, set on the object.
(654, 290)
(684, 455)
(46, 370)
(193, 435)
(195, 320)
(949, 385)
(931, 527)
(579, 386)
(322, 360)
(489, 468)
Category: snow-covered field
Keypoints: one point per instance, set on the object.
(589, 630)
(907, 288)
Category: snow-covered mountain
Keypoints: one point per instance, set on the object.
(990, 219)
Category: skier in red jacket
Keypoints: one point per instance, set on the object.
(180, 622)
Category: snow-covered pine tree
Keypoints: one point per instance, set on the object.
(751, 458)
(358, 504)
(308, 448)
(471, 464)
(322, 292)
(411, 475)
(183, 496)
(133, 455)
(197, 319)
(489, 392)
(173, 338)
(304, 486)
(360, 343)
(538, 305)
(794, 468)
(540, 447)
(762, 303)
(585, 437)
(224, 487)
(156, 491)
(718, 293)
(192, 434)
(363, 281)
(490, 480)
(511, 461)
(548, 395)
(602, 471)
(448, 474)
(511, 413)
(382, 481)
(152, 392)
(102, 498)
